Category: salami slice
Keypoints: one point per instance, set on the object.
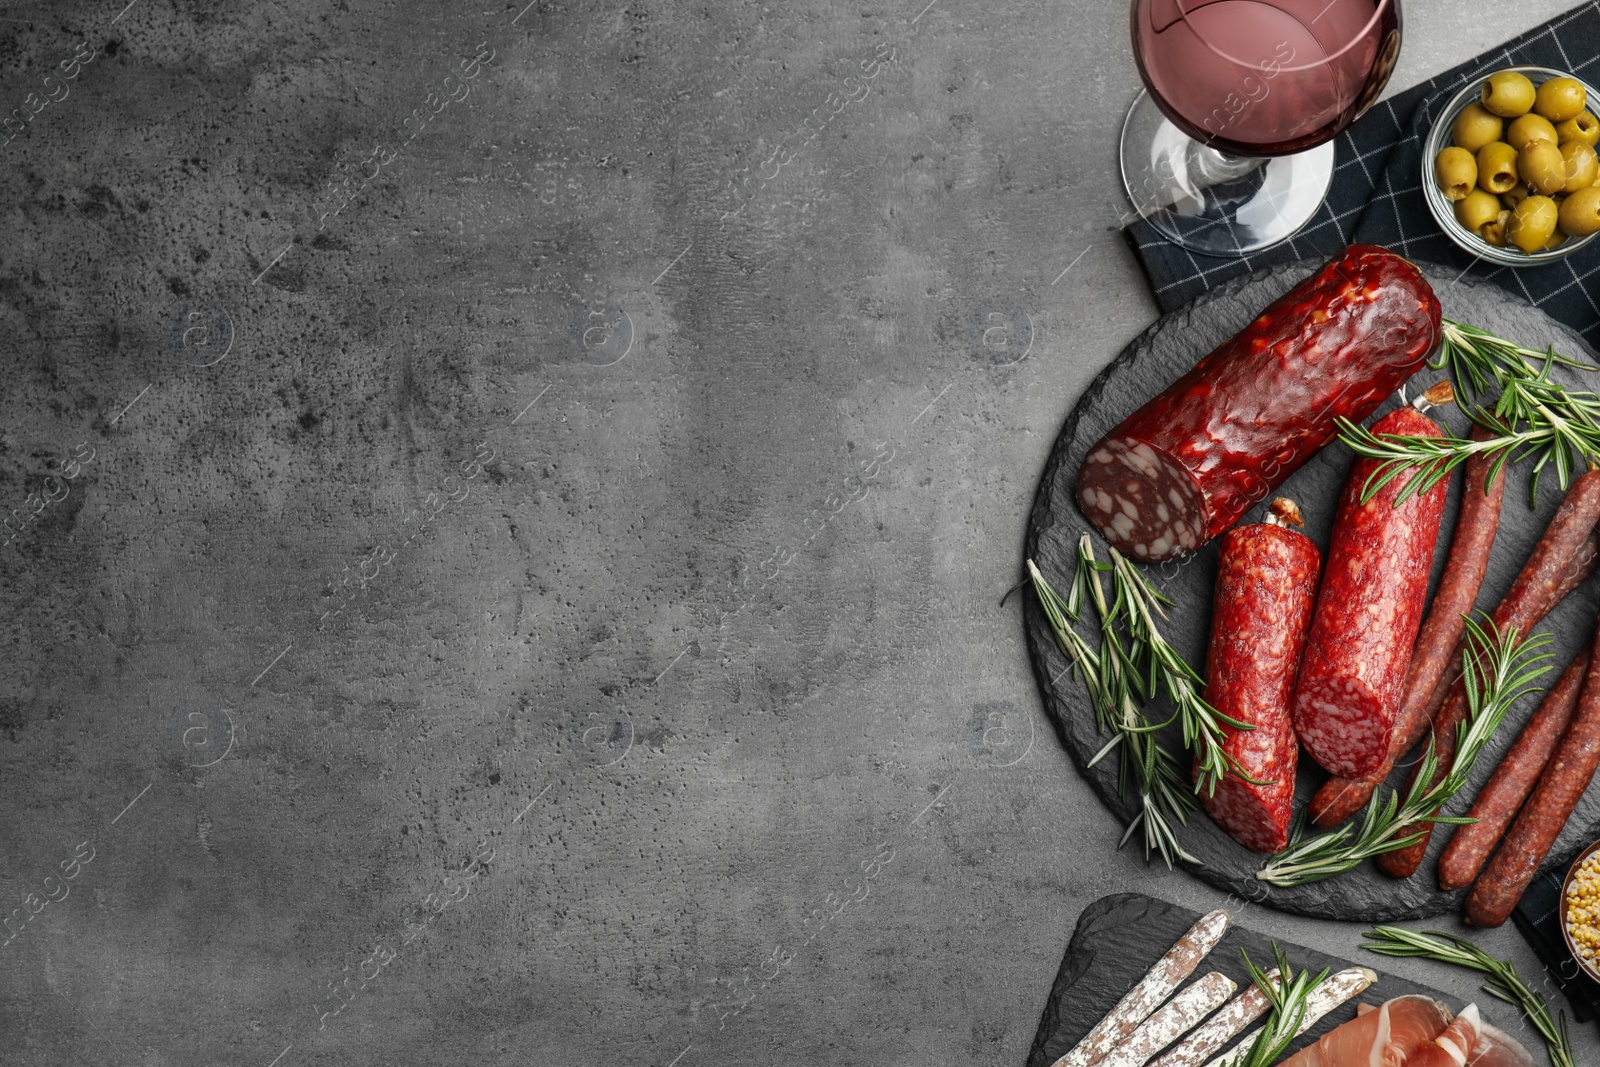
(1266, 588)
(1538, 587)
(1435, 661)
(1539, 823)
(1497, 803)
(1368, 612)
(1216, 442)
(1176, 1018)
(1154, 988)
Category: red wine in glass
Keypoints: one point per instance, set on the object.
(1229, 152)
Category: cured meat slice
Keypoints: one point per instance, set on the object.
(1220, 439)
(1154, 988)
(1368, 612)
(1453, 1046)
(1383, 1038)
(1261, 611)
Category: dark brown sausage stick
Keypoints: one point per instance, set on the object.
(1538, 588)
(1540, 822)
(1496, 805)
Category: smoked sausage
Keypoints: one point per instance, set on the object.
(1539, 823)
(1217, 441)
(1436, 659)
(1266, 587)
(1538, 587)
(1368, 612)
(1512, 781)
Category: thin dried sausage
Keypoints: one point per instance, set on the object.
(1540, 822)
(1220, 439)
(1497, 803)
(1538, 587)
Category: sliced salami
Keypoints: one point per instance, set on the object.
(1216, 442)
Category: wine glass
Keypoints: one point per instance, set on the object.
(1230, 149)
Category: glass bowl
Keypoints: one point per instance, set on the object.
(1443, 209)
(1587, 966)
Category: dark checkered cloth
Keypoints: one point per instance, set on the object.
(1376, 196)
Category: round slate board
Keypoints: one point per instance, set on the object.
(1159, 356)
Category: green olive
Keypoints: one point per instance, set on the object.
(1494, 231)
(1555, 240)
(1560, 99)
(1532, 223)
(1582, 165)
(1514, 195)
(1477, 209)
(1541, 166)
(1527, 128)
(1497, 167)
(1475, 127)
(1579, 214)
(1456, 171)
(1580, 127)
(1507, 94)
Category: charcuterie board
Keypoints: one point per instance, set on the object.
(1157, 357)
(1119, 937)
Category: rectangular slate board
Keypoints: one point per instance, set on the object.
(1119, 938)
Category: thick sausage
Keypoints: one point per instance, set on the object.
(1546, 812)
(1438, 645)
(1513, 780)
(1184, 467)
(1266, 588)
(1368, 612)
(1154, 988)
(1538, 587)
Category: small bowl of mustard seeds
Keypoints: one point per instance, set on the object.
(1580, 910)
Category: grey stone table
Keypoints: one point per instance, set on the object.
(518, 502)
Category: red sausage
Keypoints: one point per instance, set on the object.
(1266, 587)
(1512, 781)
(1368, 612)
(1541, 819)
(1435, 661)
(1184, 467)
(1539, 586)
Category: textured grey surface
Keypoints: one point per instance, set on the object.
(657, 658)
(1162, 354)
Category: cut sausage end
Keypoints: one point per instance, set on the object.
(1142, 501)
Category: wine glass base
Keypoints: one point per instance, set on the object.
(1213, 203)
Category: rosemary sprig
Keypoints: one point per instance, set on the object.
(1164, 801)
(1133, 665)
(1498, 669)
(1288, 994)
(1504, 982)
(1531, 417)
